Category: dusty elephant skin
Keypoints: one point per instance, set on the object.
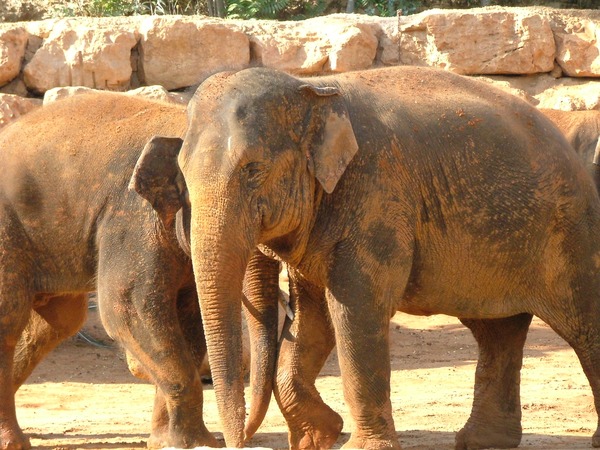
(404, 189)
(69, 224)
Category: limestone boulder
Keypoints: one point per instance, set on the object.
(577, 35)
(571, 97)
(479, 41)
(506, 86)
(388, 52)
(294, 49)
(59, 93)
(13, 106)
(12, 51)
(544, 91)
(353, 46)
(16, 87)
(94, 55)
(177, 51)
(159, 93)
(323, 44)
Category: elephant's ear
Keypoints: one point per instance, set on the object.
(158, 179)
(329, 142)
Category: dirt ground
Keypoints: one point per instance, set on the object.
(84, 397)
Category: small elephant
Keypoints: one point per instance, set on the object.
(69, 224)
(405, 188)
(581, 128)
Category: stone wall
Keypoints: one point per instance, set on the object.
(550, 57)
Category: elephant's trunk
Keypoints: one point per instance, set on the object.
(262, 290)
(221, 312)
(220, 252)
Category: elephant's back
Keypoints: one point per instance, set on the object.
(66, 161)
(87, 137)
(466, 157)
(434, 117)
(91, 125)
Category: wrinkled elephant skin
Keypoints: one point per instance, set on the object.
(69, 225)
(403, 188)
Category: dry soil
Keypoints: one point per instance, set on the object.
(84, 397)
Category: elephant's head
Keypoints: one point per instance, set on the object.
(261, 146)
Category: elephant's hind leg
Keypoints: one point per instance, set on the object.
(143, 318)
(57, 318)
(16, 301)
(190, 320)
(15, 306)
(581, 330)
(495, 419)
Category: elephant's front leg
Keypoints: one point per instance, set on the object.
(495, 419)
(305, 344)
(361, 322)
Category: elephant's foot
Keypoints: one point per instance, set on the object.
(476, 437)
(321, 431)
(372, 443)
(11, 439)
(596, 439)
(200, 437)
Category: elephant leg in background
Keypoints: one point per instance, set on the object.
(495, 419)
(580, 328)
(57, 318)
(142, 316)
(306, 343)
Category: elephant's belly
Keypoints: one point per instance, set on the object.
(426, 303)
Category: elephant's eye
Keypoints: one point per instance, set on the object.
(254, 174)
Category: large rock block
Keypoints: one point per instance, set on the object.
(388, 52)
(577, 35)
(13, 106)
(480, 41)
(178, 51)
(60, 93)
(157, 93)
(569, 96)
(90, 54)
(324, 44)
(547, 92)
(12, 51)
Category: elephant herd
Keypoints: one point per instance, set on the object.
(394, 189)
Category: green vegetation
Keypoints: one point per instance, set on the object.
(104, 8)
(252, 9)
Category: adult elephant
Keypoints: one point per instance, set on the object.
(69, 224)
(581, 128)
(402, 188)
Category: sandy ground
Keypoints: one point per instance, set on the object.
(84, 397)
